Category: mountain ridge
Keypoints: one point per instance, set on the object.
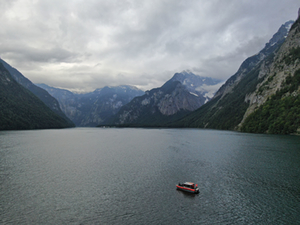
(252, 61)
(93, 108)
(20, 109)
(248, 97)
(43, 95)
(174, 99)
(280, 86)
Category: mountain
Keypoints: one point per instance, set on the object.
(263, 96)
(251, 62)
(43, 95)
(204, 87)
(274, 107)
(183, 93)
(21, 109)
(91, 109)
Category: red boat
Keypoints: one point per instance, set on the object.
(188, 187)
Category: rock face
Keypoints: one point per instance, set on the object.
(251, 62)
(276, 72)
(43, 95)
(92, 109)
(177, 100)
(203, 87)
(183, 93)
(280, 83)
(263, 96)
(21, 109)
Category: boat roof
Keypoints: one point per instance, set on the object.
(189, 183)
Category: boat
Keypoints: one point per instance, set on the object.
(188, 187)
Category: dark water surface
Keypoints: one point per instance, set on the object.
(128, 176)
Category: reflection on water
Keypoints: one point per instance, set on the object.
(187, 194)
(100, 176)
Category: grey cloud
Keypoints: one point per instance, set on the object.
(135, 42)
(40, 55)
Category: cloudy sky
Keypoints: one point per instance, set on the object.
(87, 44)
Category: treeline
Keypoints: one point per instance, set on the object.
(225, 113)
(280, 114)
(21, 109)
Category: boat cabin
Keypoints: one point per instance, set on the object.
(189, 187)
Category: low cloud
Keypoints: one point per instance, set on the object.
(84, 45)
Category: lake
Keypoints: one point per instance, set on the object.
(128, 176)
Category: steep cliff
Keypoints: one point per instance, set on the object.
(183, 93)
(43, 95)
(264, 84)
(251, 62)
(21, 109)
(274, 107)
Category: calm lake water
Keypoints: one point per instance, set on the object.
(128, 176)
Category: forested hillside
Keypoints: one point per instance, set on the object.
(43, 95)
(21, 109)
(275, 105)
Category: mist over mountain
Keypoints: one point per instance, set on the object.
(183, 93)
(262, 96)
(204, 87)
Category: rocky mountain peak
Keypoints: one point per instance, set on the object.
(281, 33)
(183, 93)
(274, 75)
(251, 62)
(263, 96)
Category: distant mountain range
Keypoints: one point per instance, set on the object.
(182, 94)
(101, 106)
(94, 108)
(263, 96)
